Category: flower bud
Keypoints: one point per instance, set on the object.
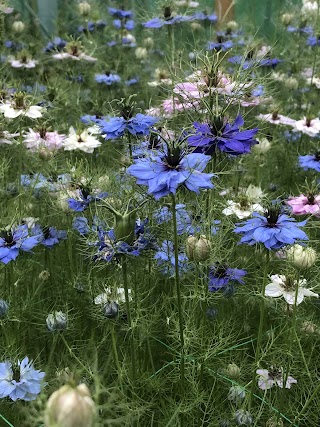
(291, 83)
(232, 25)
(232, 370)
(18, 26)
(70, 407)
(198, 249)
(130, 38)
(195, 26)
(124, 227)
(141, 53)
(302, 257)
(44, 275)
(236, 394)
(243, 418)
(263, 147)
(224, 423)
(57, 321)
(45, 154)
(273, 422)
(148, 42)
(4, 307)
(84, 8)
(287, 18)
(309, 327)
(111, 310)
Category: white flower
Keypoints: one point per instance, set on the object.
(117, 296)
(309, 9)
(268, 379)
(30, 221)
(310, 127)
(241, 211)
(66, 55)
(84, 141)
(10, 111)
(277, 119)
(254, 193)
(282, 286)
(315, 81)
(6, 137)
(18, 63)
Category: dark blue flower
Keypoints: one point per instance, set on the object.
(88, 119)
(164, 173)
(116, 127)
(107, 78)
(311, 161)
(20, 383)
(11, 242)
(220, 276)
(166, 259)
(224, 136)
(247, 63)
(84, 199)
(50, 235)
(272, 230)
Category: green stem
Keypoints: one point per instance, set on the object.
(260, 330)
(179, 299)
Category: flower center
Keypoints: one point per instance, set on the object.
(217, 126)
(16, 374)
(220, 271)
(46, 232)
(310, 198)
(8, 238)
(274, 374)
(272, 216)
(173, 157)
(127, 112)
(308, 122)
(317, 156)
(289, 284)
(167, 13)
(275, 115)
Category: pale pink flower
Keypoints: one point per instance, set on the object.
(189, 90)
(277, 119)
(35, 141)
(170, 106)
(310, 127)
(304, 205)
(268, 379)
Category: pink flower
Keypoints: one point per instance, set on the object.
(189, 90)
(170, 106)
(268, 379)
(35, 141)
(304, 205)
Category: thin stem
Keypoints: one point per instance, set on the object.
(260, 330)
(179, 300)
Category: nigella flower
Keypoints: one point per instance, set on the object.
(56, 44)
(226, 137)
(20, 383)
(202, 16)
(313, 41)
(310, 127)
(304, 205)
(274, 230)
(120, 13)
(166, 259)
(137, 125)
(289, 289)
(43, 139)
(80, 223)
(165, 172)
(123, 23)
(50, 235)
(110, 249)
(14, 240)
(107, 78)
(184, 220)
(305, 30)
(84, 198)
(310, 161)
(274, 376)
(220, 44)
(168, 19)
(220, 276)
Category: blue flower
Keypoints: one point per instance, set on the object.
(50, 235)
(272, 230)
(88, 119)
(120, 23)
(305, 30)
(4, 307)
(166, 259)
(201, 16)
(132, 81)
(84, 199)
(220, 276)
(56, 44)
(107, 78)
(184, 220)
(313, 41)
(90, 26)
(164, 173)
(220, 44)
(224, 136)
(80, 223)
(138, 125)
(22, 383)
(311, 161)
(120, 13)
(11, 242)
(247, 63)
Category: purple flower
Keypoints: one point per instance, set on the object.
(310, 162)
(107, 78)
(226, 137)
(22, 383)
(138, 125)
(305, 30)
(164, 173)
(220, 276)
(120, 23)
(274, 230)
(11, 242)
(56, 44)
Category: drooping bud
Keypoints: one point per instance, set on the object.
(232, 26)
(198, 249)
(302, 257)
(111, 309)
(243, 418)
(57, 321)
(4, 307)
(84, 8)
(236, 394)
(18, 26)
(70, 407)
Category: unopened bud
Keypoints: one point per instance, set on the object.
(287, 18)
(18, 26)
(84, 8)
(309, 327)
(302, 257)
(243, 418)
(232, 370)
(273, 422)
(196, 26)
(291, 83)
(198, 249)
(45, 154)
(236, 394)
(263, 147)
(232, 25)
(57, 321)
(141, 53)
(111, 310)
(70, 407)
(4, 307)
(148, 42)
(44, 275)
